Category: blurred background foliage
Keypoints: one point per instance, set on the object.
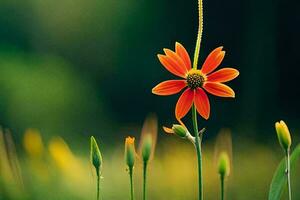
(74, 68)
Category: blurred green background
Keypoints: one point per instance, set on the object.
(75, 68)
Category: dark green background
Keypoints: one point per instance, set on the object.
(87, 67)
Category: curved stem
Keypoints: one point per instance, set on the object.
(198, 151)
(131, 183)
(199, 35)
(145, 179)
(288, 173)
(222, 187)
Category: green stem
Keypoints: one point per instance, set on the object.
(222, 179)
(198, 151)
(145, 179)
(194, 112)
(98, 185)
(199, 35)
(131, 183)
(288, 173)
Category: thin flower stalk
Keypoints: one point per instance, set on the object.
(199, 35)
(98, 186)
(145, 164)
(199, 153)
(146, 153)
(288, 173)
(222, 180)
(131, 184)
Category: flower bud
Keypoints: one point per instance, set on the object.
(224, 164)
(147, 147)
(129, 151)
(96, 157)
(179, 130)
(283, 135)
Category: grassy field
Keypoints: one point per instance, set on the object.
(51, 170)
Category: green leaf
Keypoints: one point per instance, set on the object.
(279, 180)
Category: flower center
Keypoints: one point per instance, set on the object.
(195, 80)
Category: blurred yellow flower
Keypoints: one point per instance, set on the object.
(73, 172)
(61, 154)
(33, 143)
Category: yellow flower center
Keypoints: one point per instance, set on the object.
(195, 79)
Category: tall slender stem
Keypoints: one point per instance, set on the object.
(131, 183)
(222, 179)
(288, 173)
(194, 112)
(144, 179)
(198, 151)
(199, 35)
(98, 185)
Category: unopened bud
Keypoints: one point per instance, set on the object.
(179, 130)
(96, 157)
(283, 135)
(129, 151)
(147, 148)
(224, 164)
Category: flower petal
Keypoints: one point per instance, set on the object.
(184, 103)
(183, 54)
(169, 87)
(172, 66)
(168, 130)
(202, 103)
(223, 75)
(176, 58)
(213, 60)
(218, 89)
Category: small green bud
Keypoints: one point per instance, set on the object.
(179, 130)
(283, 135)
(147, 147)
(224, 164)
(96, 157)
(129, 151)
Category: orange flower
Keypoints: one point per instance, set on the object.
(195, 80)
